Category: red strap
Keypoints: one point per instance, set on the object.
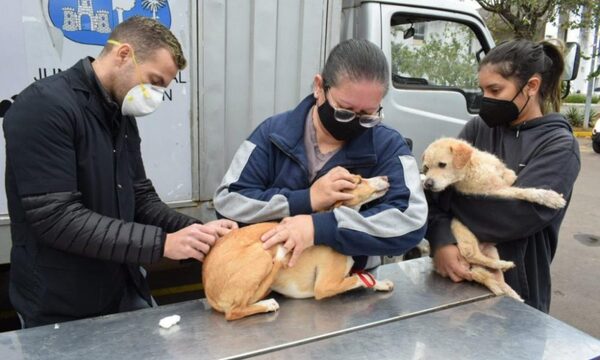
(366, 278)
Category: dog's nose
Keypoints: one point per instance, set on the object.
(428, 184)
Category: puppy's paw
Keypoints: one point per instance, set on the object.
(495, 288)
(552, 199)
(505, 265)
(384, 285)
(269, 304)
(514, 295)
(508, 291)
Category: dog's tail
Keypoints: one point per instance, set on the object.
(282, 255)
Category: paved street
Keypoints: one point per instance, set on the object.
(576, 267)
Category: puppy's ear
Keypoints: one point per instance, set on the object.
(461, 154)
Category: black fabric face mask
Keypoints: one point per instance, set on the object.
(339, 130)
(495, 112)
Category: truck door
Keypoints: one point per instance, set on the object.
(434, 60)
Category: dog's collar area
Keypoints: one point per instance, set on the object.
(366, 278)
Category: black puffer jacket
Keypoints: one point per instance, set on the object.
(61, 221)
(83, 214)
(544, 154)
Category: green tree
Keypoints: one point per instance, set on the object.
(498, 27)
(526, 18)
(581, 14)
(585, 16)
(443, 59)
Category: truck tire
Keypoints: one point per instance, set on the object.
(596, 146)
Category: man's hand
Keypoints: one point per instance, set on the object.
(193, 241)
(296, 233)
(328, 189)
(222, 226)
(450, 263)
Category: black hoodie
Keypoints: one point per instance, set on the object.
(544, 154)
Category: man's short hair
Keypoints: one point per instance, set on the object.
(147, 35)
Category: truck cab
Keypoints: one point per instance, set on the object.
(433, 48)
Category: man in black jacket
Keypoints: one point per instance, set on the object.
(83, 214)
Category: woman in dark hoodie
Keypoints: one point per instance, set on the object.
(518, 122)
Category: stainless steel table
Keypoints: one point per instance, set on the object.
(203, 333)
(496, 328)
(422, 307)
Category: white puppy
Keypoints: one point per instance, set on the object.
(454, 162)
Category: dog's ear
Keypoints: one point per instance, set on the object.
(356, 179)
(461, 154)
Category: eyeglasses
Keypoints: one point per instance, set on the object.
(365, 120)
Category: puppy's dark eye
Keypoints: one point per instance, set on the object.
(425, 169)
(442, 165)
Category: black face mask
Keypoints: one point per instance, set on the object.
(339, 130)
(496, 112)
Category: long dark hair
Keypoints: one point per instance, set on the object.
(356, 60)
(520, 59)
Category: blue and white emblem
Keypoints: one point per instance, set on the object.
(91, 21)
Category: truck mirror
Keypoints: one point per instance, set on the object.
(5, 105)
(478, 55)
(572, 55)
(410, 32)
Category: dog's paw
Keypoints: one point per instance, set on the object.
(508, 291)
(269, 304)
(495, 288)
(552, 199)
(511, 293)
(505, 265)
(384, 285)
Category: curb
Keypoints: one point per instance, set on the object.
(583, 134)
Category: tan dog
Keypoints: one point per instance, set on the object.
(454, 162)
(238, 273)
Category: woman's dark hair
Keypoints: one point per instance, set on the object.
(521, 59)
(356, 60)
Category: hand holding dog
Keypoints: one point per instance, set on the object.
(296, 233)
(328, 189)
(450, 263)
(196, 240)
(223, 226)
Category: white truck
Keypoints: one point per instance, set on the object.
(247, 61)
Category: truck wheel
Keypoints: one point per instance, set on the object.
(596, 146)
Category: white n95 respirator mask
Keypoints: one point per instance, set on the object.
(142, 99)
